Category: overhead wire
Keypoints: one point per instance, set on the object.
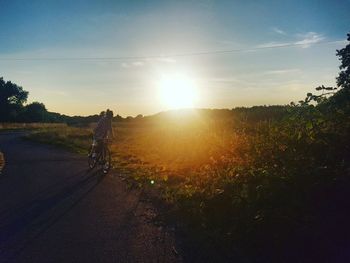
(167, 56)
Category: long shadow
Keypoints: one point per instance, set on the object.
(46, 213)
(21, 208)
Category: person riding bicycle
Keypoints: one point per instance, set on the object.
(103, 131)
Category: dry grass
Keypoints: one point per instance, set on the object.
(175, 146)
(14, 126)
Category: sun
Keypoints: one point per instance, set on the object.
(177, 91)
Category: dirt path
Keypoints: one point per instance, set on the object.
(53, 209)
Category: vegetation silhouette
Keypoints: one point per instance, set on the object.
(12, 98)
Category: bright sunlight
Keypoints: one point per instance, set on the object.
(177, 91)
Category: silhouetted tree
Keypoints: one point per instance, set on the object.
(341, 93)
(34, 112)
(341, 99)
(343, 80)
(118, 118)
(12, 98)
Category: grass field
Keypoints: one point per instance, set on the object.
(29, 126)
(231, 179)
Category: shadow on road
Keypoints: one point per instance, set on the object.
(36, 216)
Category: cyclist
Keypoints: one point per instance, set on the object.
(102, 131)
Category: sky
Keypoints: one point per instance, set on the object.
(47, 48)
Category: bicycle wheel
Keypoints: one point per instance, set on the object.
(92, 161)
(107, 162)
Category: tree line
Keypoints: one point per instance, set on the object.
(13, 108)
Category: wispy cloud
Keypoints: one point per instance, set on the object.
(303, 40)
(278, 31)
(274, 44)
(143, 63)
(309, 38)
(166, 60)
(281, 71)
(138, 63)
(133, 64)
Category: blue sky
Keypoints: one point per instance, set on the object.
(71, 29)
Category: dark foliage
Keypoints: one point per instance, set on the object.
(12, 98)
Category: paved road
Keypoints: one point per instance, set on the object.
(52, 209)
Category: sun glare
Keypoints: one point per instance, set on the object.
(177, 91)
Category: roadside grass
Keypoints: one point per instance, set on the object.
(70, 138)
(25, 126)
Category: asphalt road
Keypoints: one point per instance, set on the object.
(52, 209)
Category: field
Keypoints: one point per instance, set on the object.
(28, 126)
(247, 180)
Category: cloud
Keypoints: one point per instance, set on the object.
(133, 64)
(166, 60)
(309, 38)
(303, 40)
(162, 59)
(281, 71)
(138, 63)
(274, 44)
(225, 80)
(279, 31)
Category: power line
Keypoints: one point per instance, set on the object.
(189, 54)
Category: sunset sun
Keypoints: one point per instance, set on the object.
(177, 91)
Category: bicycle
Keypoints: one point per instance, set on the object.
(99, 153)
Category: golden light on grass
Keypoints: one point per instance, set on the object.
(177, 91)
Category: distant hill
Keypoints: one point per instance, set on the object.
(253, 114)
